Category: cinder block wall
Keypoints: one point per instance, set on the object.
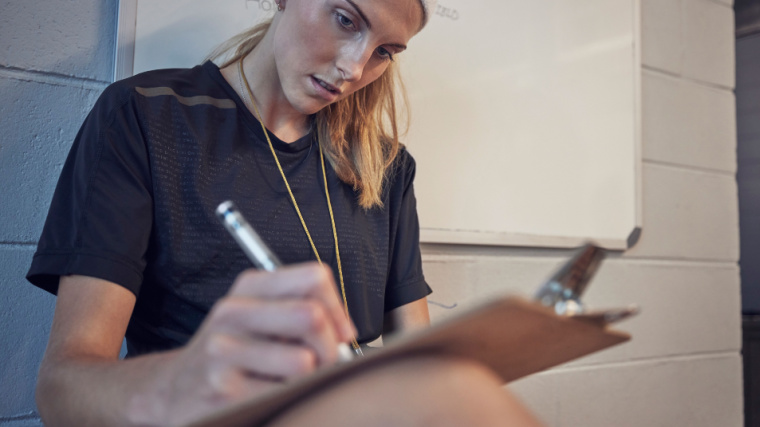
(56, 57)
(683, 367)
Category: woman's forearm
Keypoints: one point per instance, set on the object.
(82, 391)
(269, 328)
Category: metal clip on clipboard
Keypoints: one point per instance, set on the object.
(564, 289)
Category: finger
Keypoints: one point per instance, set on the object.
(304, 280)
(303, 320)
(258, 358)
(230, 383)
(292, 281)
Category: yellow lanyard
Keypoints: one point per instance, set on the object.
(354, 343)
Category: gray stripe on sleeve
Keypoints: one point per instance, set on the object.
(190, 101)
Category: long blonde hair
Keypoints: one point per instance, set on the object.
(359, 134)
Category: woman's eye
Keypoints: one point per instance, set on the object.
(345, 21)
(385, 53)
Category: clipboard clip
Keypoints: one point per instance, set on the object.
(563, 290)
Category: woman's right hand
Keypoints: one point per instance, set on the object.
(269, 328)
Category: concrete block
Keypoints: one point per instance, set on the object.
(462, 281)
(708, 37)
(695, 392)
(709, 322)
(661, 35)
(688, 215)
(686, 308)
(39, 123)
(75, 38)
(688, 124)
(703, 391)
(25, 321)
(540, 395)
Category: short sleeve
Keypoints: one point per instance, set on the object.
(406, 282)
(100, 218)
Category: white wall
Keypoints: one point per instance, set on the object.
(683, 367)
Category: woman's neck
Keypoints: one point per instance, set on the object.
(278, 115)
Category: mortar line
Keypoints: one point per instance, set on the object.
(682, 262)
(451, 251)
(54, 79)
(21, 417)
(677, 76)
(690, 168)
(18, 245)
(649, 360)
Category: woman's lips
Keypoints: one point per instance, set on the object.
(325, 90)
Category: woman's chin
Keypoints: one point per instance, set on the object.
(310, 104)
(310, 107)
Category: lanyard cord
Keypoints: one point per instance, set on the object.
(354, 343)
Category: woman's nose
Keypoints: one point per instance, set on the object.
(352, 60)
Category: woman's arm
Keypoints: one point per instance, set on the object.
(81, 380)
(232, 356)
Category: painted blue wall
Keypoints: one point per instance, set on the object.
(56, 57)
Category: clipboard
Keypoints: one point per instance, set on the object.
(512, 336)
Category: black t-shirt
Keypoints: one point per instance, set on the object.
(136, 198)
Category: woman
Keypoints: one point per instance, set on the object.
(291, 129)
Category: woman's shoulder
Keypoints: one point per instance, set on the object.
(404, 163)
(200, 80)
(401, 172)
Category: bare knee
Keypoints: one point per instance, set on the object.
(419, 391)
(461, 392)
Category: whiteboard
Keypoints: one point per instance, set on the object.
(525, 113)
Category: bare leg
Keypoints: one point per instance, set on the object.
(420, 391)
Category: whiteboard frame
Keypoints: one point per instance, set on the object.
(124, 67)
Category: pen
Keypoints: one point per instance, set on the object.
(257, 251)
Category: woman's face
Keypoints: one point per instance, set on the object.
(327, 49)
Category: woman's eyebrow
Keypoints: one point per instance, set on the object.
(361, 14)
(369, 25)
